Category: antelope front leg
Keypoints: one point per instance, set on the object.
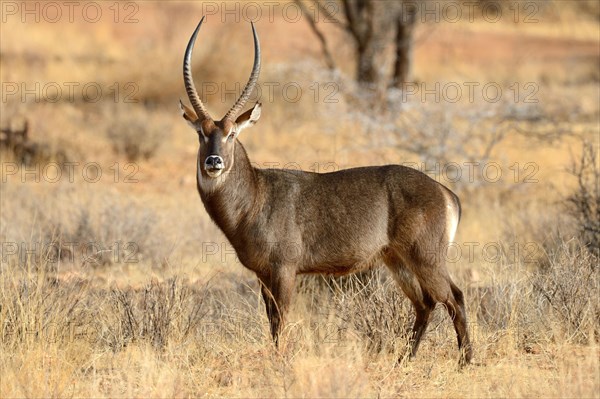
(277, 290)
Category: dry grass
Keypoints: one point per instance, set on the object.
(345, 339)
(122, 287)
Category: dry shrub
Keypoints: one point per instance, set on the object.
(178, 312)
(584, 203)
(493, 305)
(61, 223)
(567, 285)
(39, 308)
(369, 305)
(134, 134)
(118, 232)
(507, 308)
(16, 144)
(158, 313)
(377, 311)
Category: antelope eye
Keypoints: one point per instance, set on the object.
(231, 136)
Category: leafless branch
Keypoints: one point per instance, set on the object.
(311, 21)
(329, 15)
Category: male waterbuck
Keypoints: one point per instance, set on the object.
(337, 223)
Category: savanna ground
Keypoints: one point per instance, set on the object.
(119, 285)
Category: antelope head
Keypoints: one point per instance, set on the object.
(218, 138)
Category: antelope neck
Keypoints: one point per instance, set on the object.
(233, 196)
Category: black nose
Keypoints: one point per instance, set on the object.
(213, 162)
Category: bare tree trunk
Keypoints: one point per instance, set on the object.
(366, 73)
(360, 16)
(404, 48)
(366, 23)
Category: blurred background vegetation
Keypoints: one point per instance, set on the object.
(94, 150)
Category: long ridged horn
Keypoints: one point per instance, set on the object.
(201, 111)
(233, 112)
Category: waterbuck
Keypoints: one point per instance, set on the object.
(283, 223)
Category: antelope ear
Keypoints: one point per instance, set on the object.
(247, 119)
(188, 114)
